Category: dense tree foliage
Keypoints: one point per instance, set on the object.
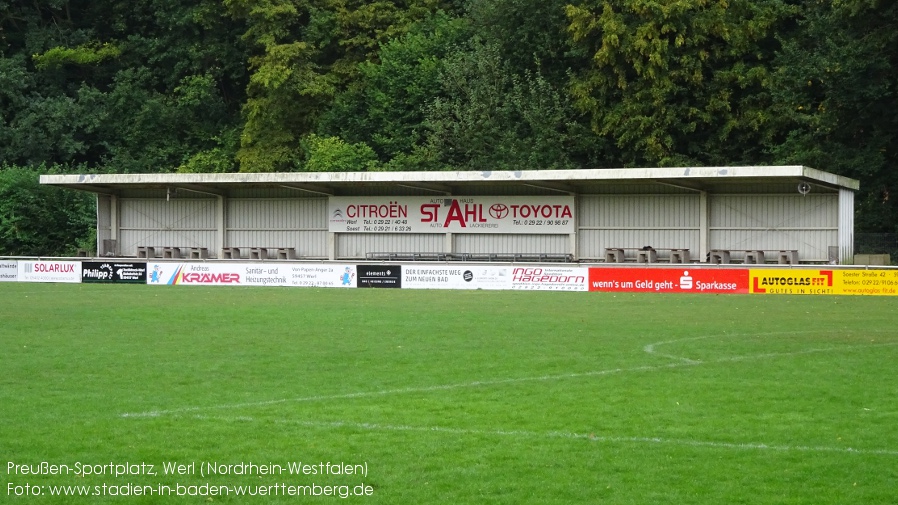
(41, 220)
(836, 87)
(322, 85)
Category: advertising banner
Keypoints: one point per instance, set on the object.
(455, 277)
(470, 214)
(792, 282)
(217, 274)
(107, 271)
(251, 274)
(9, 271)
(49, 271)
(882, 282)
(324, 276)
(866, 282)
(379, 276)
(549, 278)
(669, 280)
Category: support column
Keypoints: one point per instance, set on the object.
(704, 226)
(331, 246)
(221, 223)
(448, 243)
(846, 227)
(573, 242)
(113, 227)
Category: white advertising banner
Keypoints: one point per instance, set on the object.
(9, 270)
(550, 278)
(470, 214)
(250, 274)
(324, 276)
(49, 271)
(455, 277)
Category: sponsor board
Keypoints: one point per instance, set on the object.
(825, 282)
(866, 282)
(546, 278)
(250, 274)
(792, 282)
(669, 280)
(322, 275)
(473, 214)
(205, 274)
(49, 271)
(9, 271)
(379, 276)
(108, 271)
(455, 277)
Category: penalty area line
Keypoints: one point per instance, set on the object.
(423, 389)
(746, 446)
(483, 383)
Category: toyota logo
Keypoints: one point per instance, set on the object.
(498, 210)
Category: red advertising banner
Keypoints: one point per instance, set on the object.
(669, 280)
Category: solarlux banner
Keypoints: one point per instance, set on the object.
(669, 280)
(470, 214)
(9, 271)
(50, 271)
(543, 278)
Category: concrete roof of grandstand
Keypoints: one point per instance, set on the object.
(710, 179)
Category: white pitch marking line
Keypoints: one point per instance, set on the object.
(424, 389)
(495, 382)
(565, 435)
(652, 348)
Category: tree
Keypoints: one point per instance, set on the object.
(134, 86)
(684, 82)
(531, 35)
(385, 106)
(305, 51)
(489, 118)
(836, 92)
(40, 220)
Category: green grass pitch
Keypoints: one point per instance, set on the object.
(449, 397)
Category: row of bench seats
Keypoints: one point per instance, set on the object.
(715, 256)
(612, 255)
(255, 253)
(647, 254)
(510, 257)
(754, 256)
(172, 252)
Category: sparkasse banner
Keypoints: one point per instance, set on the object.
(50, 271)
(669, 280)
(467, 214)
